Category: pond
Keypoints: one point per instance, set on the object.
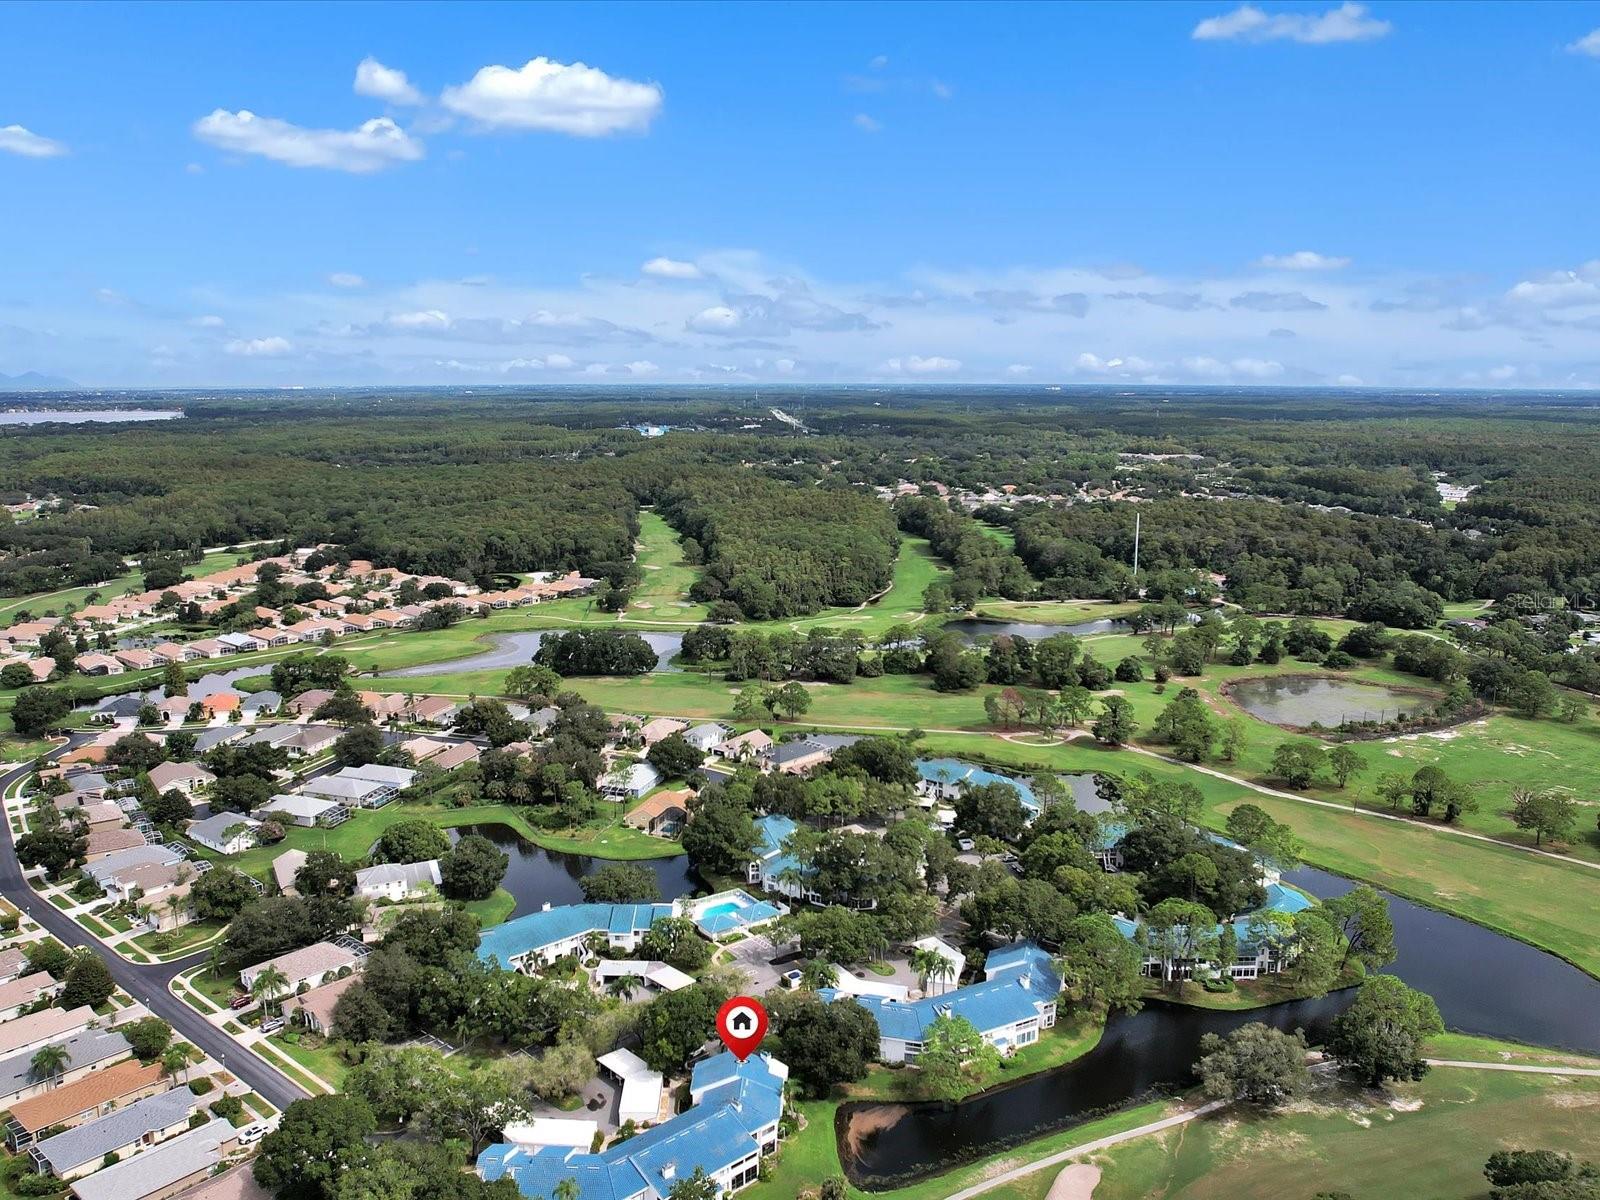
(1484, 983)
(537, 876)
(45, 416)
(518, 649)
(973, 628)
(1302, 700)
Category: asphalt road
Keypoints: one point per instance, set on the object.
(146, 983)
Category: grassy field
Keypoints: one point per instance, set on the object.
(606, 838)
(1053, 612)
(664, 590)
(39, 603)
(1497, 886)
(1433, 1135)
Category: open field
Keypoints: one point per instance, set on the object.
(607, 837)
(664, 590)
(1434, 1134)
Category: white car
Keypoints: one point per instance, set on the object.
(966, 845)
(251, 1134)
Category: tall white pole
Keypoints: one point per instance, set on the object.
(1136, 547)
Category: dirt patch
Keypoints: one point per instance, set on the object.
(1076, 1182)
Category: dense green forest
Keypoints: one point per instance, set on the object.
(1302, 501)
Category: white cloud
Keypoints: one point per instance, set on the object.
(558, 362)
(670, 268)
(209, 321)
(1276, 302)
(917, 365)
(1017, 370)
(193, 169)
(371, 146)
(643, 367)
(1588, 44)
(785, 366)
(867, 124)
(942, 90)
(1302, 260)
(384, 83)
(719, 318)
(1247, 23)
(431, 319)
(555, 97)
(267, 347)
(1560, 289)
(1130, 365)
(879, 62)
(14, 139)
(1349, 381)
(345, 279)
(1502, 374)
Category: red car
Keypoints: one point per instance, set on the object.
(242, 1001)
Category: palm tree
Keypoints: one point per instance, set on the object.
(269, 984)
(48, 1062)
(215, 961)
(175, 1062)
(930, 966)
(817, 973)
(566, 1189)
(622, 986)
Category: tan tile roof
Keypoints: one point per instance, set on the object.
(92, 1090)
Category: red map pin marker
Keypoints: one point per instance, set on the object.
(741, 1024)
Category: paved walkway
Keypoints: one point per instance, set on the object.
(1517, 1068)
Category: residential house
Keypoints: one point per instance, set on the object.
(219, 703)
(136, 660)
(752, 747)
(258, 704)
(457, 755)
(799, 757)
(210, 739)
(123, 1131)
(1263, 941)
(241, 643)
(163, 1171)
(314, 1009)
(629, 781)
(112, 870)
(13, 962)
(224, 832)
(662, 815)
(86, 1098)
(97, 664)
(707, 737)
(422, 748)
(383, 705)
(398, 881)
(305, 811)
(47, 1025)
(304, 741)
(732, 1122)
(312, 965)
(1013, 1003)
(774, 869)
(353, 791)
(308, 702)
(432, 710)
(107, 840)
(285, 867)
(206, 648)
(172, 652)
(91, 1051)
(540, 938)
(638, 1087)
(652, 976)
(188, 777)
(25, 991)
(654, 731)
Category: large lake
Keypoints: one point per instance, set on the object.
(85, 416)
(1320, 700)
(518, 649)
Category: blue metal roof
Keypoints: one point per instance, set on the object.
(534, 931)
(1021, 977)
(737, 1100)
(953, 771)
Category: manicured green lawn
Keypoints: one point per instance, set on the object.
(1053, 612)
(664, 591)
(311, 1052)
(1428, 1139)
(606, 837)
(494, 910)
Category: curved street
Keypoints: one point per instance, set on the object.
(146, 983)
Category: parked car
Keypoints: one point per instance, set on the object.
(251, 1134)
(243, 1000)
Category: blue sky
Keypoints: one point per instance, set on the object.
(1318, 193)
